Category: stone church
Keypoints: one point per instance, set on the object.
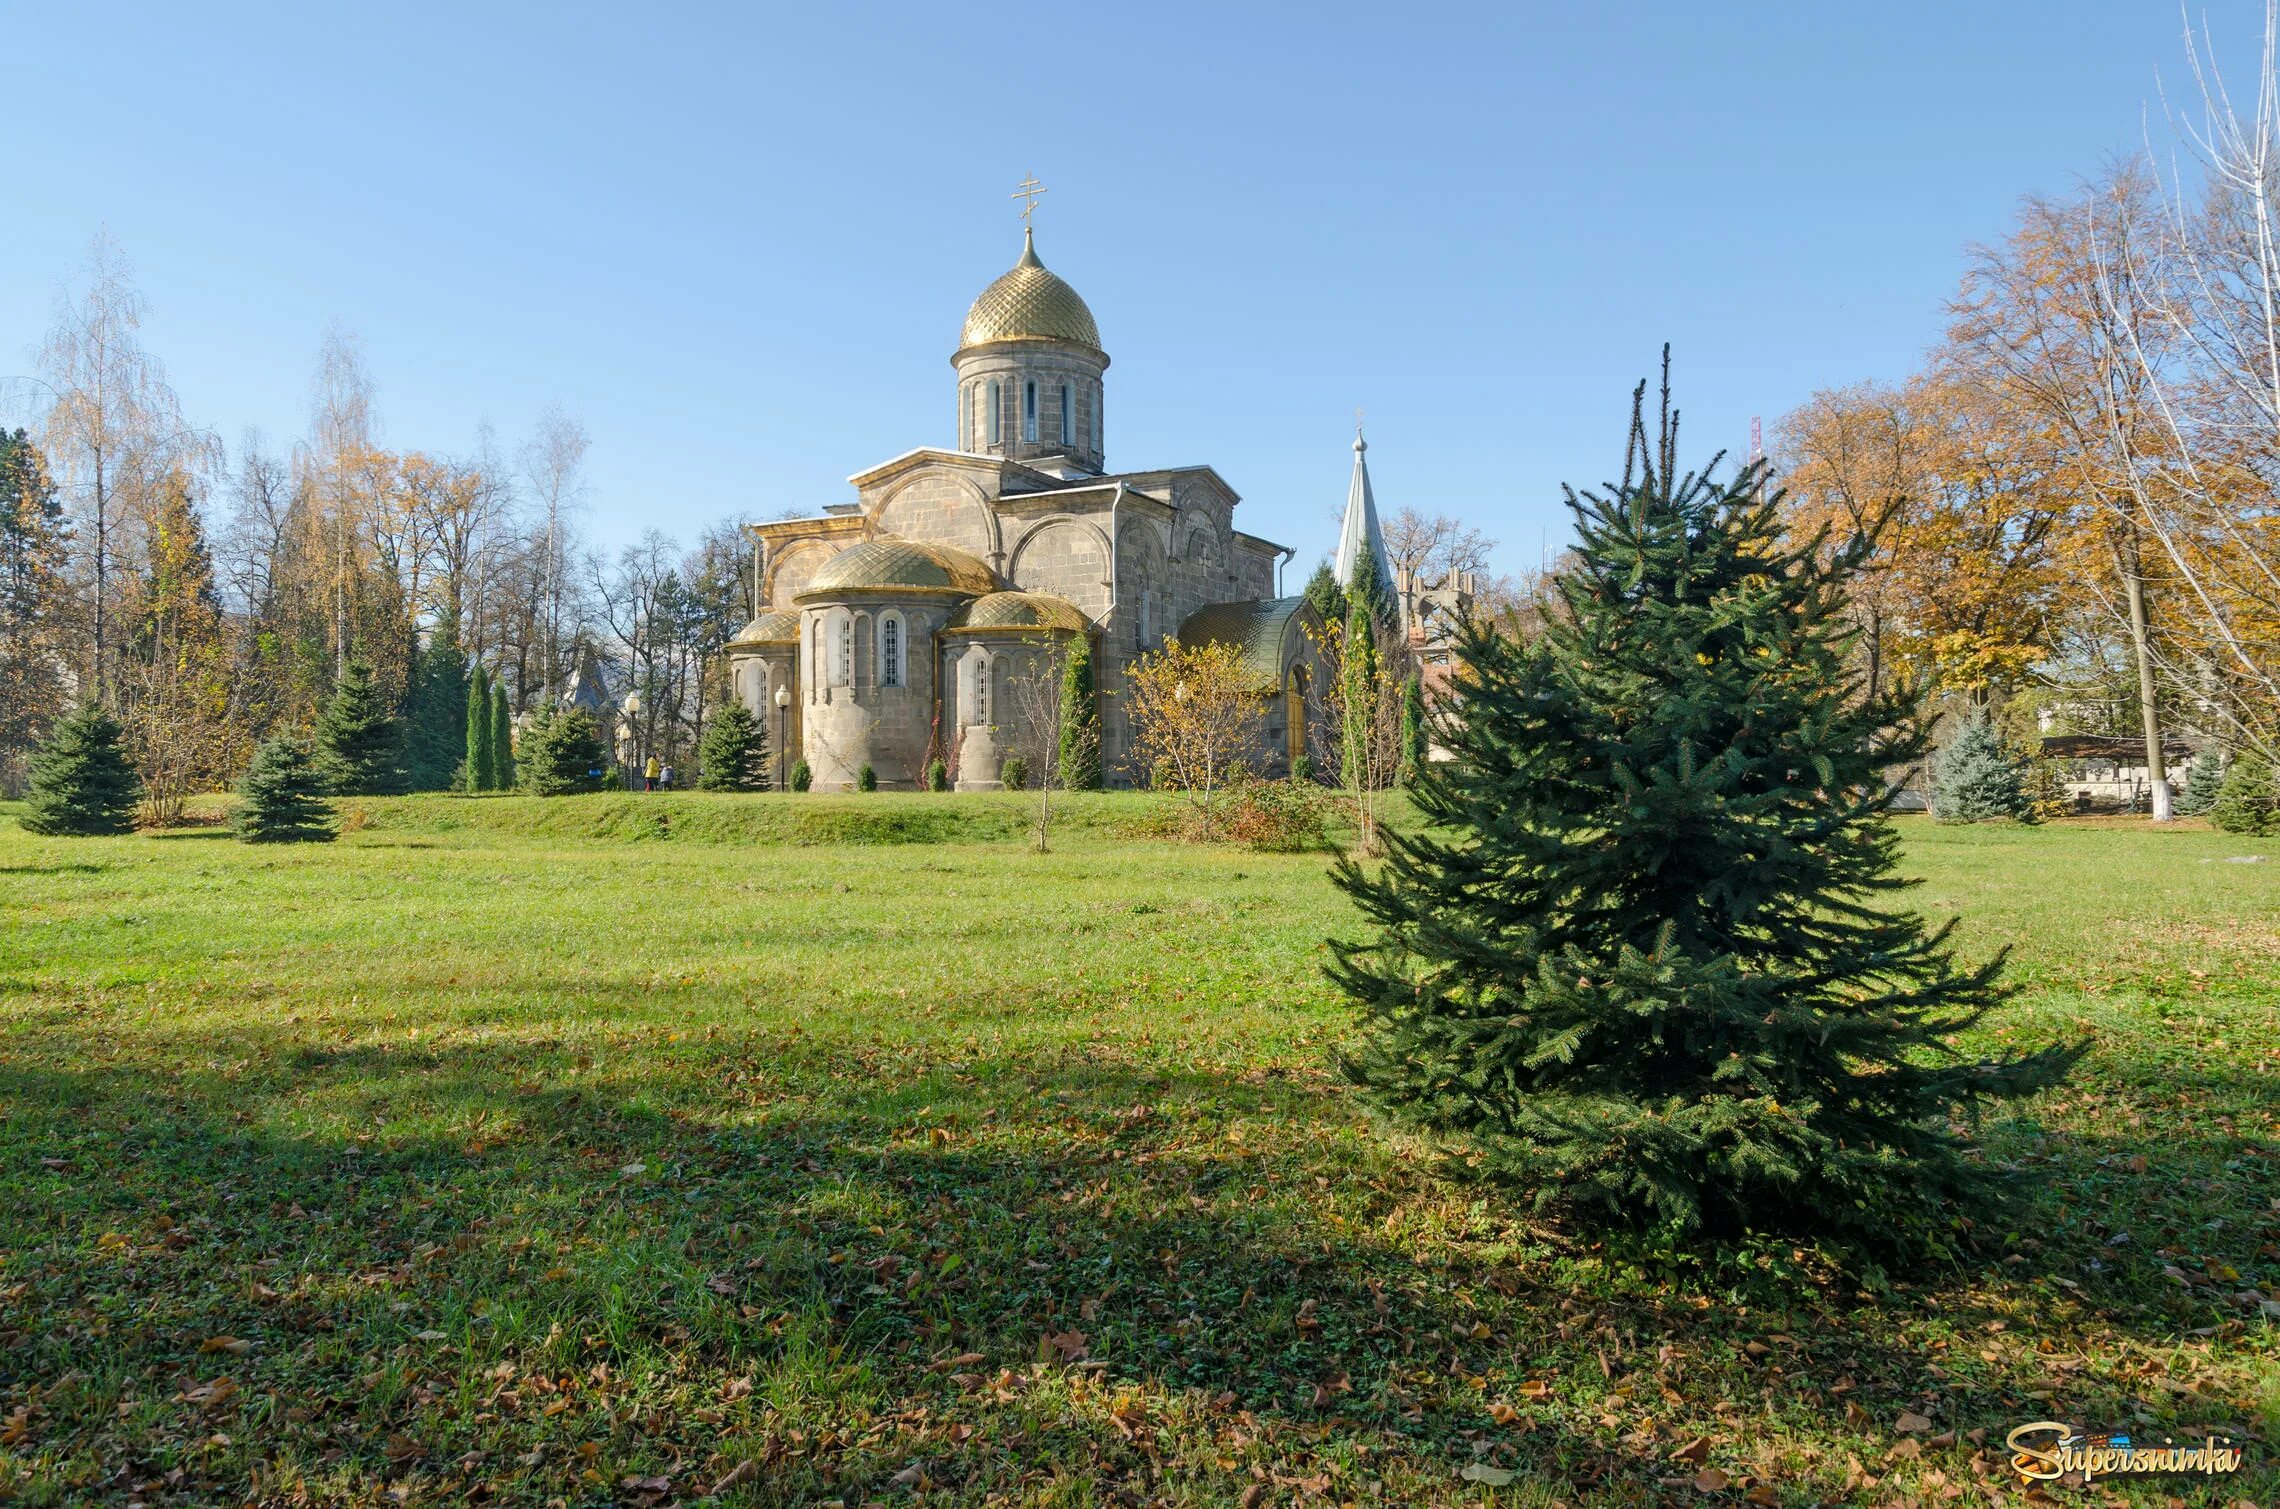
(898, 627)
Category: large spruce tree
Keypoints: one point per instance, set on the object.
(82, 781)
(1643, 962)
(1976, 780)
(359, 745)
(561, 753)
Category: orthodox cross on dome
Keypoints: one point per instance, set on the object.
(1028, 193)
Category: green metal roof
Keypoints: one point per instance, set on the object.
(1263, 630)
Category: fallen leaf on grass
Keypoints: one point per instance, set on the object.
(1536, 1388)
(229, 1344)
(1492, 1477)
(1910, 1423)
(1696, 1451)
(1712, 1480)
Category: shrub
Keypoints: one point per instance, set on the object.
(282, 797)
(2248, 801)
(866, 779)
(1281, 817)
(1014, 773)
(82, 782)
(1975, 779)
(937, 776)
(1302, 767)
(1078, 756)
(802, 777)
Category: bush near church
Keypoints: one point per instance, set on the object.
(281, 799)
(1638, 962)
(802, 777)
(82, 782)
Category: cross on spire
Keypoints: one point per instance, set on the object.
(1028, 193)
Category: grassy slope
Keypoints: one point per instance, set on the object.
(490, 1148)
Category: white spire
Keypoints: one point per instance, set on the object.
(1361, 526)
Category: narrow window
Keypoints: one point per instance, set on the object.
(1068, 414)
(981, 697)
(1096, 421)
(890, 650)
(997, 414)
(1029, 411)
(843, 650)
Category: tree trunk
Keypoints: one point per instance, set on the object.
(2141, 648)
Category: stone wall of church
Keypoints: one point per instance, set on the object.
(939, 507)
(853, 715)
(1067, 558)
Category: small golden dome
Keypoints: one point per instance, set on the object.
(1018, 610)
(777, 626)
(1029, 304)
(900, 566)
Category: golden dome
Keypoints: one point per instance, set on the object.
(900, 566)
(1029, 304)
(777, 626)
(1018, 610)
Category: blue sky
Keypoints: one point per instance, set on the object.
(737, 243)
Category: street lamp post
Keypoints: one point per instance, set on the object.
(783, 718)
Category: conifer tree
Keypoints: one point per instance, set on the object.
(482, 765)
(1326, 596)
(1371, 592)
(734, 751)
(2248, 800)
(435, 714)
(1413, 749)
(82, 782)
(561, 752)
(1976, 779)
(2202, 783)
(1359, 689)
(33, 560)
(358, 743)
(1641, 961)
(1079, 754)
(502, 741)
(281, 799)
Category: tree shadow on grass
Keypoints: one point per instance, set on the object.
(1152, 1283)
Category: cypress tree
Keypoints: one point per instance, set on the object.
(1358, 692)
(502, 741)
(1079, 754)
(1640, 961)
(1976, 779)
(358, 743)
(2248, 800)
(82, 782)
(281, 799)
(482, 767)
(1413, 750)
(733, 754)
(1327, 597)
(435, 714)
(1371, 592)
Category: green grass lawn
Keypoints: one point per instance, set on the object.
(790, 1150)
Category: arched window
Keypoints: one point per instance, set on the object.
(842, 669)
(1068, 414)
(997, 414)
(978, 699)
(1029, 411)
(815, 665)
(890, 649)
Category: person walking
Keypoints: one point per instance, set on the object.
(649, 775)
(665, 780)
